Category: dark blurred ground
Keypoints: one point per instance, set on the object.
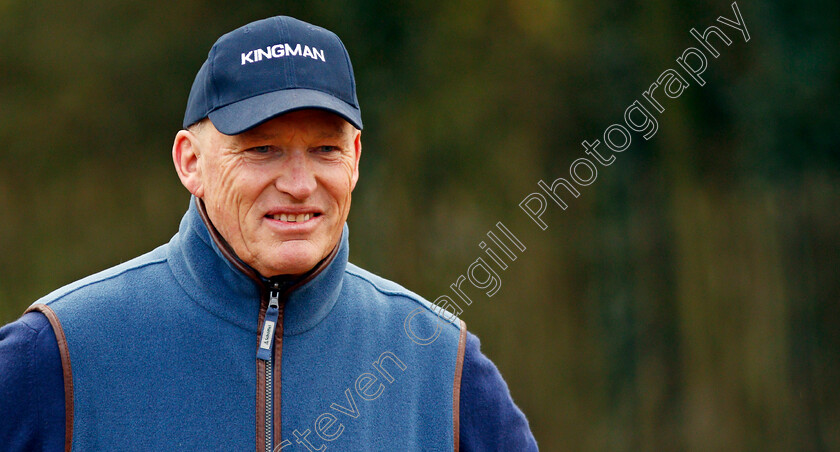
(688, 300)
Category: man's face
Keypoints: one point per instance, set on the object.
(280, 192)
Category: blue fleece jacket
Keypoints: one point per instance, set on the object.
(316, 362)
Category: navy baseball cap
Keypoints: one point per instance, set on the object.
(270, 67)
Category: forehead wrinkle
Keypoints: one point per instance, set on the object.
(267, 134)
(261, 133)
(252, 135)
(317, 129)
(338, 132)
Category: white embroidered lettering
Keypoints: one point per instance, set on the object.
(292, 52)
(259, 54)
(282, 50)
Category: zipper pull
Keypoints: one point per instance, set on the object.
(269, 324)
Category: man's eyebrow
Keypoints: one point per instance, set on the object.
(249, 136)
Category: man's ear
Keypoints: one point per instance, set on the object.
(357, 144)
(185, 155)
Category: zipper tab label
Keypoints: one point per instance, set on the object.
(267, 336)
(269, 324)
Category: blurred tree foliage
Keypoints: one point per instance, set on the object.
(688, 300)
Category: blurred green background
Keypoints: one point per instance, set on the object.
(688, 300)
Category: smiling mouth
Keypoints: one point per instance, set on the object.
(293, 218)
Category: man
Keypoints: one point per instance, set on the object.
(250, 329)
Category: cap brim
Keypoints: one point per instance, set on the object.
(240, 116)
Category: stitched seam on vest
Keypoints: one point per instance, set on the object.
(456, 387)
(260, 415)
(416, 300)
(67, 370)
(102, 279)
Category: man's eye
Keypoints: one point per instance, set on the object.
(327, 149)
(260, 149)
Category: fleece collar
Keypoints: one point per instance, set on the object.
(217, 280)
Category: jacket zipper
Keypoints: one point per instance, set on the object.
(273, 320)
(278, 290)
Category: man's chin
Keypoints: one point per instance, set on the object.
(292, 259)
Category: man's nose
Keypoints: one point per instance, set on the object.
(297, 177)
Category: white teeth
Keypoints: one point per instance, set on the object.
(292, 218)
